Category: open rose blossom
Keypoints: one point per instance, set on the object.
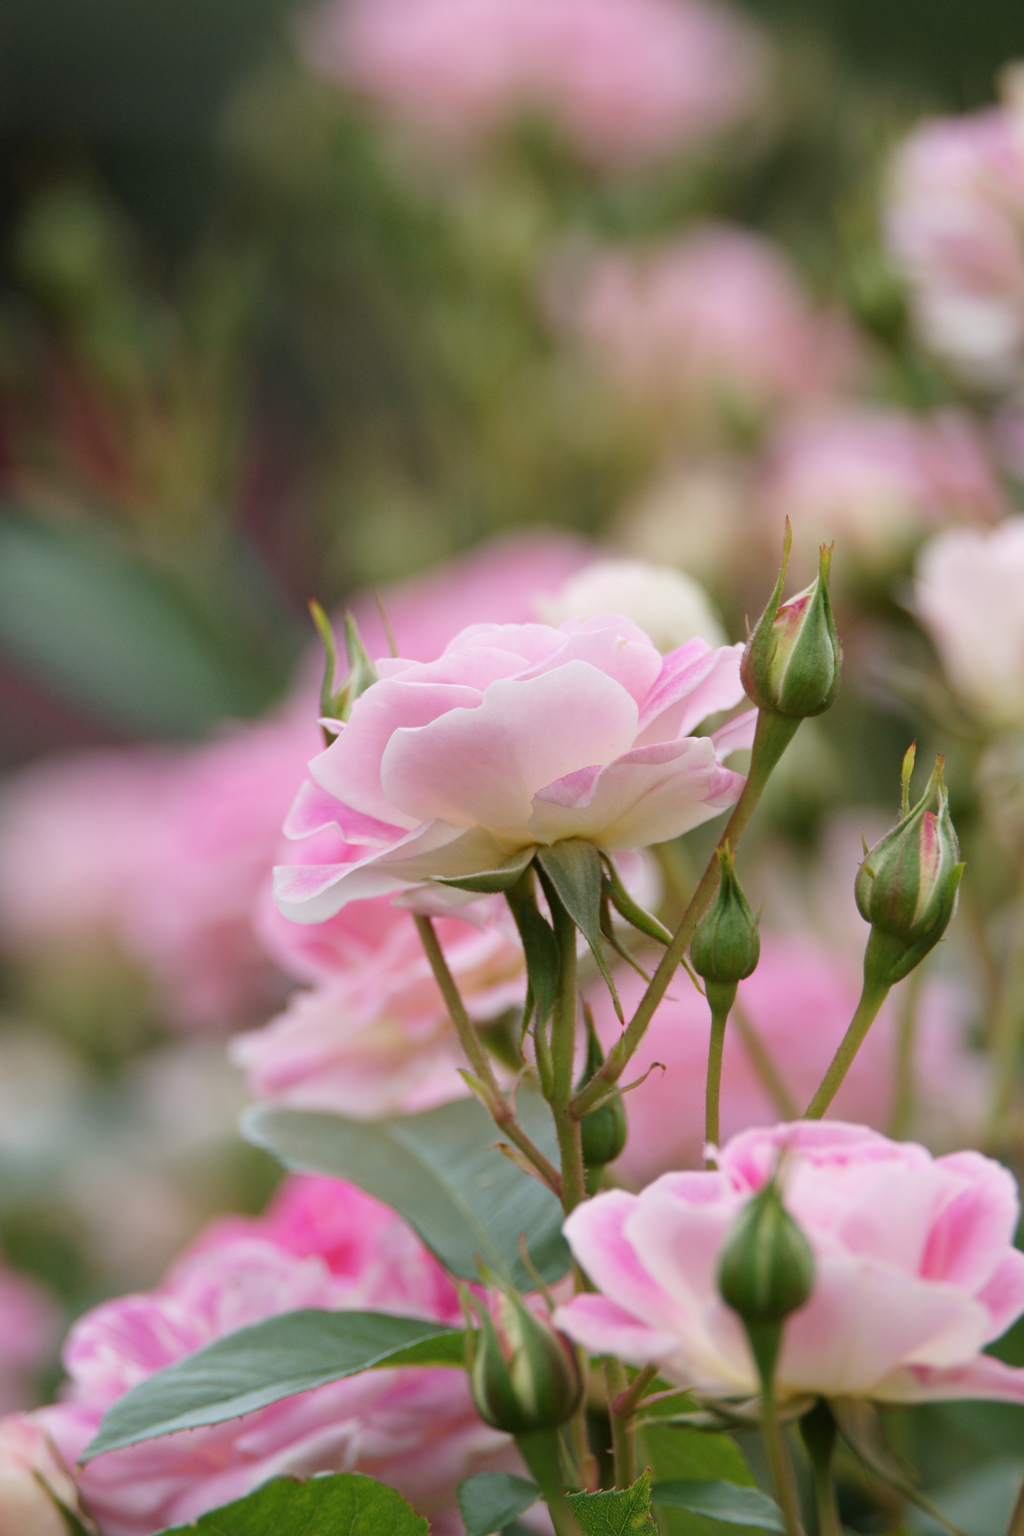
(519, 735)
(915, 1270)
(623, 80)
(323, 1244)
(968, 597)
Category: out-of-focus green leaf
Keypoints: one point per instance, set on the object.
(678, 1454)
(722, 1501)
(115, 636)
(276, 1358)
(489, 1501)
(615, 1512)
(442, 1172)
(346, 1504)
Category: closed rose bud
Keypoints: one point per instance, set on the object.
(726, 945)
(765, 1272)
(792, 662)
(523, 1374)
(907, 885)
(603, 1134)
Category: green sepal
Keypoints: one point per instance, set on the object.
(490, 882)
(571, 871)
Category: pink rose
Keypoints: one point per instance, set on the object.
(915, 1270)
(624, 81)
(716, 322)
(29, 1333)
(968, 597)
(517, 736)
(797, 1004)
(32, 1479)
(323, 1245)
(954, 228)
(877, 480)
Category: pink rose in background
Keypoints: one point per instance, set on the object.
(170, 848)
(32, 1480)
(915, 1270)
(716, 320)
(322, 1245)
(30, 1328)
(797, 1004)
(877, 480)
(517, 736)
(624, 81)
(955, 229)
(968, 597)
(373, 1037)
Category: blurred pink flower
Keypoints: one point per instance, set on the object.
(29, 1332)
(516, 736)
(955, 229)
(324, 1245)
(625, 81)
(716, 321)
(915, 1270)
(877, 480)
(32, 1478)
(968, 597)
(796, 1005)
(171, 848)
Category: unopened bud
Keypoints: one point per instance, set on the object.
(726, 945)
(766, 1271)
(908, 883)
(603, 1132)
(792, 661)
(337, 705)
(523, 1374)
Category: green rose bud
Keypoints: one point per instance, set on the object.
(908, 883)
(766, 1271)
(726, 945)
(792, 661)
(603, 1132)
(524, 1376)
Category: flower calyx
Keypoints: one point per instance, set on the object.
(793, 659)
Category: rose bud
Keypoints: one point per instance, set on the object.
(726, 946)
(766, 1271)
(792, 661)
(523, 1374)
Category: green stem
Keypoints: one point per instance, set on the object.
(563, 1058)
(498, 1106)
(772, 736)
(720, 999)
(540, 1452)
(873, 995)
(903, 1075)
(623, 1425)
(818, 1429)
(1005, 1039)
(779, 1464)
(762, 1063)
(1016, 1525)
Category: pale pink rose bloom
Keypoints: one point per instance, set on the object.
(32, 1479)
(968, 597)
(323, 1245)
(915, 1270)
(798, 1003)
(373, 1036)
(877, 480)
(716, 320)
(955, 229)
(168, 850)
(624, 81)
(517, 736)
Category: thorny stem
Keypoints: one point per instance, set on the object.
(873, 995)
(623, 1425)
(773, 734)
(628, 1401)
(563, 1055)
(762, 1063)
(500, 1109)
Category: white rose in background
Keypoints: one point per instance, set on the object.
(667, 604)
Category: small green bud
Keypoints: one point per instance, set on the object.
(792, 661)
(524, 1376)
(766, 1271)
(907, 885)
(726, 945)
(361, 674)
(603, 1133)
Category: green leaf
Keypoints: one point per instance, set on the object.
(722, 1501)
(679, 1454)
(491, 1500)
(489, 881)
(346, 1504)
(442, 1172)
(276, 1358)
(115, 636)
(573, 868)
(615, 1512)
